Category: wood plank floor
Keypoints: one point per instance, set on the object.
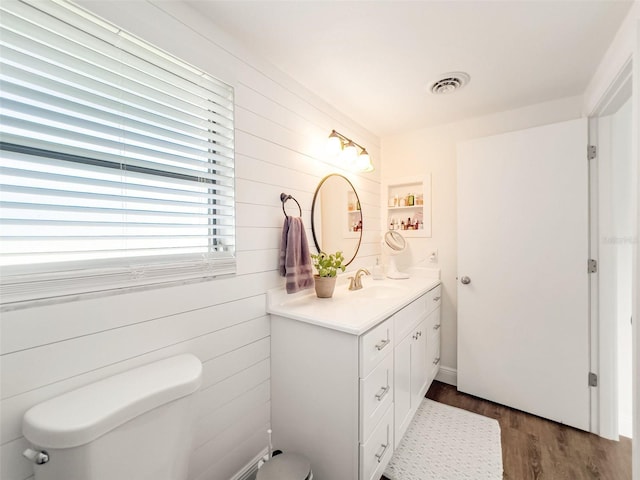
(537, 449)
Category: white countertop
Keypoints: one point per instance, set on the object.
(357, 311)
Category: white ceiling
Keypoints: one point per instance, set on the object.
(374, 60)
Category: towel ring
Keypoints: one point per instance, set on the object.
(283, 198)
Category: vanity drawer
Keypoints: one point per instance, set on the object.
(406, 319)
(434, 298)
(376, 394)
(376, 344)
(433, 356)
(434, 323)
(377, 451)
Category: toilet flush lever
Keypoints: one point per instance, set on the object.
(39, 458)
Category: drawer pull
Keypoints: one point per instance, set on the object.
(382, 393)
(383, 344)
(435, 299)
(382, 452)
(436, 361)
(436, 327)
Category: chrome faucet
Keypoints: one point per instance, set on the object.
(356, 280)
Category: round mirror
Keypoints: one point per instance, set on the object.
(336, 218)
(396, 244)
(394, 240)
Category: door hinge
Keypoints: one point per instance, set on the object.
(593, 379)
(592, 152)
(592, 266)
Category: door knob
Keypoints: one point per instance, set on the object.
(465, 280)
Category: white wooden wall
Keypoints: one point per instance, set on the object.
(280, 128)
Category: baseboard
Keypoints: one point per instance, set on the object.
(249, 471)
(448, 375)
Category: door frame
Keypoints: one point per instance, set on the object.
(604, 398)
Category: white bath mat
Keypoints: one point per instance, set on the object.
(447, 443)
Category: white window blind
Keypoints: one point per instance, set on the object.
(117, 158)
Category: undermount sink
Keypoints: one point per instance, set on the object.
(386, 290)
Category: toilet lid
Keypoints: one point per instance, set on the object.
(286, 466)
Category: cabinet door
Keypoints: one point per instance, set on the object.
(402, 386)
(419, 372)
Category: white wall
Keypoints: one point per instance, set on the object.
(625, 169)
(433, 150)
(636, 274)
(280, 133)
(616, 207)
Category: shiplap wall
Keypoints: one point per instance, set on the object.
(280, 130)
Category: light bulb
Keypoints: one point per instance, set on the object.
(350, 153)
(364, 162)
(334, 144)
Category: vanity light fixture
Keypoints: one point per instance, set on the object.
(338, 144)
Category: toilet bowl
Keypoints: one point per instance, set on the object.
(137, 425)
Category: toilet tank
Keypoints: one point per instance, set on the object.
(137, 425)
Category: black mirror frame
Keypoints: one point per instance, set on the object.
(313, 207)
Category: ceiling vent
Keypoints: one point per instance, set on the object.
(449, 82)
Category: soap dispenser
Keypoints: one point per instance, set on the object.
(378, 273)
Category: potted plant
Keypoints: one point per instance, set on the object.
(327, 267)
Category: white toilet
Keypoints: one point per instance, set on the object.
(137, 425)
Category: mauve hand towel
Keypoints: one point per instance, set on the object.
(295, 261)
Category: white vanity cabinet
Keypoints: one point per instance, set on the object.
(332, 397)
(335, 394)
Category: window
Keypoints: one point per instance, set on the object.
(117, 158)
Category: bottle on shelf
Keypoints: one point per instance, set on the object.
(410, 200)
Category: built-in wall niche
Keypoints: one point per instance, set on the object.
(408, 205)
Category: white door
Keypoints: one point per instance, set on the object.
(523, 318)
